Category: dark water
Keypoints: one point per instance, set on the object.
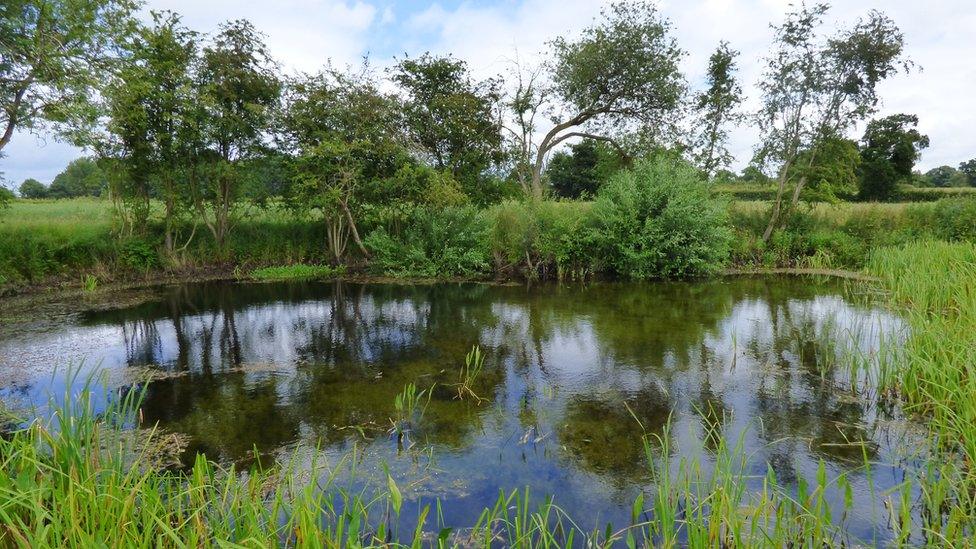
(283, 367)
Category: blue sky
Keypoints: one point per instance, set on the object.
(304, 34)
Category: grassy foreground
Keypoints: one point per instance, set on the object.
(85, 480)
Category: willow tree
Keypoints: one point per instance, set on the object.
(621, 74)
(815, 88)
(54, 54)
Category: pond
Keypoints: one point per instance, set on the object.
(572, 377)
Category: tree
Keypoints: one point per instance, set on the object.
(622, 73)
(32, 188)
(82, 177)
(716, 107)
(889, 149)
(450, 118)
(343, 132)
(54, 54)
(153, 125)
(238, 89)
(816, 88)
(582, 171)
(831, 170)
(945, 176)
(969, 170)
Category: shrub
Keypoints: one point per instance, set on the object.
(138, 254)
(659, 219)
(430, 243)
(541, 239)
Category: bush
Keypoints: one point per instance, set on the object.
(659, 219)
(541, 239)
(432, 243)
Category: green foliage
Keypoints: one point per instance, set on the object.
(138, 254)
(659, 219)
(955, 219)
(82, 177)
(968, 169)
(831, 170)
(889, 149)
(295, 272)
(55, 54)
(431, 243)
(581, 172)
(945, 176)
(6, 197)
(32, 188)
(541, 239)
(716, 107)
(451, 118)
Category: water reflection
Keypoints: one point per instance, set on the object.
(573, 377)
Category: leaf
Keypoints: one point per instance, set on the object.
(395, 495)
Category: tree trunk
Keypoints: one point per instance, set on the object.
(353, 230)
(777, 204)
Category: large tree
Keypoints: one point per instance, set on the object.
(451, 118)
(889, 149)
(620, 75)
(239, 88)
(716, 107)
(344, 134)
(153, 137)
(53, 55)
(815, 88)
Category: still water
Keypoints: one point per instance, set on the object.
(285, 370)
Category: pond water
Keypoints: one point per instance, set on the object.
(283, 368)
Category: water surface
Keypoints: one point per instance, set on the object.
(572, 376)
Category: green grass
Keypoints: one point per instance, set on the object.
(296, 272)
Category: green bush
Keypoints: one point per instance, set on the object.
(296, 272)
(660, 219)
(541, 239)
(138, 254)
(432, 243)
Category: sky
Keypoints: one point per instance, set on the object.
(303, 35)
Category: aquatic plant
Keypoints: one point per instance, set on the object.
(469, 374)
(409, 406)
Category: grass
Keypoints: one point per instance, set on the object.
(296, 272)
